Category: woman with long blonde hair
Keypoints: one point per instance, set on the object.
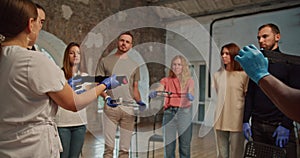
(177, 119)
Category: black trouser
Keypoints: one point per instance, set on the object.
(262, 132)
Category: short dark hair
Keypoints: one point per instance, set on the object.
(274, 28)
(40, 7)
(126, 33)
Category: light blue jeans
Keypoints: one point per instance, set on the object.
(72, 139)
(177, 121)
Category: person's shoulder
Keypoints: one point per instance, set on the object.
(166, 79)
(39, 55)
(17, 49)
(242, 73)
(219, 72)
(109, 57)
(191, 80)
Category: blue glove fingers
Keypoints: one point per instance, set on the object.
(247, 134)
(110, 102)
(142, 105)
(142, 108)
(72, 82)
(282, 134)
(111, 82)
(280, 142)
(253, 62)
(114, 82)
(247, 130)
(80, 91)
(190, 97)
(152, 94)
(251, 46)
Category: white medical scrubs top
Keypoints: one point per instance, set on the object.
(27, 128)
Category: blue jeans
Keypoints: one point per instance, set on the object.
(177, 121)
(72, 139)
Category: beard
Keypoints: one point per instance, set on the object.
(122, 49)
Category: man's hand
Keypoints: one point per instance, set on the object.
(282, 136)
(142, 105)
(110, 102)
(247, 130)
(111, 82)
(253, 62)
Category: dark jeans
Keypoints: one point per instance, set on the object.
(72, 139)
(262, 132)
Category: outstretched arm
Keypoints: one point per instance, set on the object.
(69, 100)
(287, 99)
(256, 66)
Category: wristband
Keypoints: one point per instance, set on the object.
(106, 97)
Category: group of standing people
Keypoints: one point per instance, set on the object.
(240, 99)
(36, 97)
(31, 127)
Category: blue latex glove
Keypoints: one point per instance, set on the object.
(111, 82)
(282, 136)
(80, 91)
(73, 82)
(190, 97)
(152, 94)
(253, 62)
(247, 130)
(110, 102)
(142, 105)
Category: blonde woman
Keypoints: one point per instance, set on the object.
(177, 118)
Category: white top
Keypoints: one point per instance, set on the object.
(26, 116)
(66, 118)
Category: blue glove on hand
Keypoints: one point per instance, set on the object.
(111, 82)
(110, 102)
(190, 97)
(73, 82)
(253, 62)
(80, 91)
(247, 130)
(142, 105)
(282, 136)
(152, 94)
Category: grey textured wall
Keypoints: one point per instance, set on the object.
(72, 20)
